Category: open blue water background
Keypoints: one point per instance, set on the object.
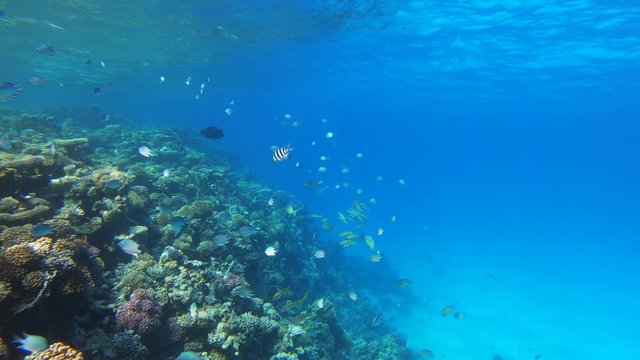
(515, 125)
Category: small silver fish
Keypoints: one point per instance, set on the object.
(145, 151)
(129, 246)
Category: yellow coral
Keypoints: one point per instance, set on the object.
(22, 256)
(57, 351)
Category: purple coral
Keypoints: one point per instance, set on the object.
(140, 314)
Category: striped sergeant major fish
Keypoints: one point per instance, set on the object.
(281, 153)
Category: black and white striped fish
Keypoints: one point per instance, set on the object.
(281, 153)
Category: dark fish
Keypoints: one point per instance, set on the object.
(114, 184)
(2, 14)
(98, 91)
(212, 132)
(106, 118)
(9, 91)
(282, 153)
(40, 230)
(47, 49)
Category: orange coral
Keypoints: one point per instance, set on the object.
(22, 258)
(57, 351)
(16, 235)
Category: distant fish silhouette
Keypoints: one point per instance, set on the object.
(212, 132)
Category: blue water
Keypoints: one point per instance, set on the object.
(514, 125)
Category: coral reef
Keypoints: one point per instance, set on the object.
(140, 313)
(57, 351)
(201, 284)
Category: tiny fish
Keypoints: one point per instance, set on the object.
(282, 153)
(129, 246)
(106, 118)
(36, 80)
(447, 310)
(322, 169)
(353, 295)
(282, 293)
(188, 81)
(162, 79)
(46, 49)
(114, 184)
(320, 303)
(145, 151)
(402, 182)
(403, 283)
(31, 343)
(374, 258)
(247, 231)
(193, 310)
(177, 223)
(459, 315)
(368, 239)
(228, 111)
(40, 230)
(166, 172)
(9, 91)
(220, 240)
(329, 135)
(271, 251)
(290, 210)
(270, 202)
(296, 330)
(98, 91)
(359, 155)
(319, 254)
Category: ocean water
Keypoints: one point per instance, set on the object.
(502, 137)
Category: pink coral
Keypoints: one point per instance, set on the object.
(140, 314)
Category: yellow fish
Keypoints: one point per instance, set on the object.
(446, 310)
(281, 293)
(347, 242)
(290, 210)
(368, 239)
